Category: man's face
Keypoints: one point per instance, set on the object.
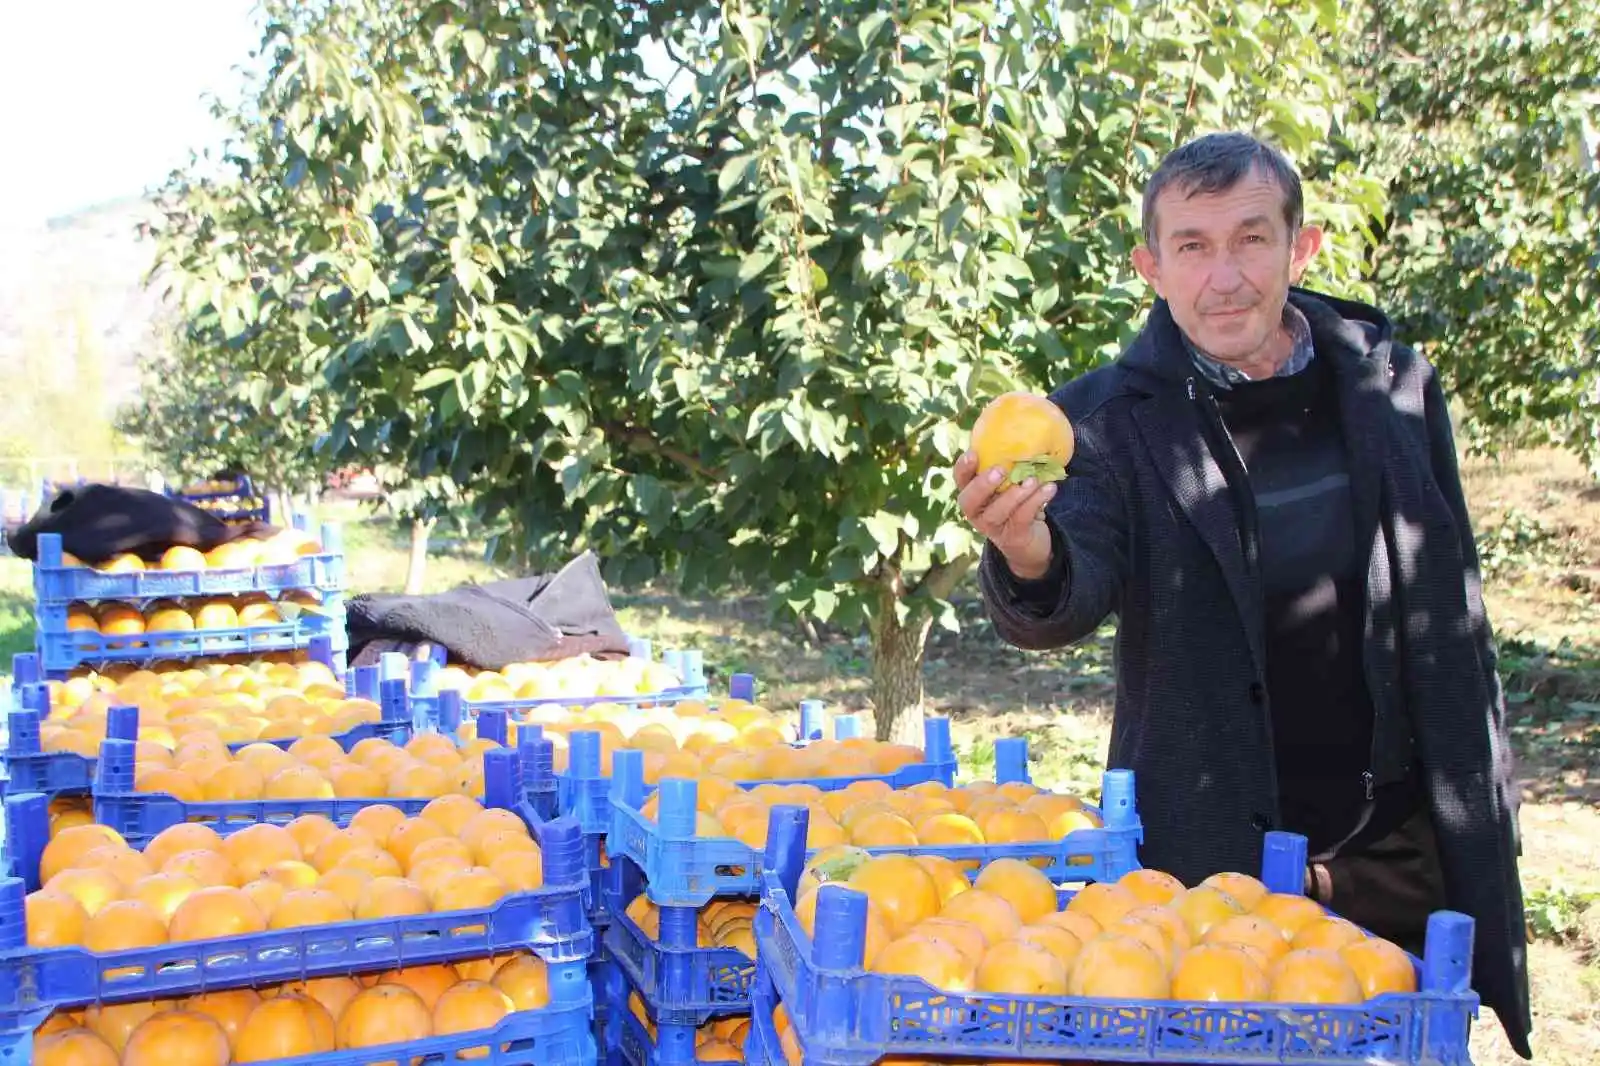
(1224, 263)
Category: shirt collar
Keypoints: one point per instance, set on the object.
(1223, 376)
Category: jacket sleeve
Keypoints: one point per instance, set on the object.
(1089, 564)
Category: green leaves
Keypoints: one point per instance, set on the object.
(1043, 471)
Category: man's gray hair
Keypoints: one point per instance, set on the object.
(1216, 163)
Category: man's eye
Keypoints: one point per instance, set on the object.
(1189, 246)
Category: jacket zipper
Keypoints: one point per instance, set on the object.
(1251, 536)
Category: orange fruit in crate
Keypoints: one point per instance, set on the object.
(1380, 967)
(169, 618)
(1248, 890)
(331, 852)
(298, 782)
(72, 1047)
(452, 813)
(1289, 912)
(904, 892)
(1219, 973)
(390, 897)
(120, 620)
(255, 848)
(1327, 934)
(428, 982)
(372, 860)
(1059, 942)
(444, 847)
(91, 888)
(217, 614)
(934, 961)
(468, 1006)
(994, 915)
(208, 868)
(162, 892)
(519, 871)
(228, 1008)
(182, 557)
(1152, 886)
(1168, 921)
(214, 913)
(355, 782)
(1105, 903)
(1118, 967)
(55, 919)
(383, 1014)
(177, 1037)
(405, 838)
(334, 993)
(1077, 923)
(284, 1026)
(68, 847)
(1020, 968)
(378, 820)
(1313, 976)
(306, 907)
(310, 830)
(525, 980)
(124, 925)
(1021, 885)
(1150, 935)
(115, 1022)
(175, 783)
(1250, 931)
(947, 875)
(1203, 907)
(474, 888)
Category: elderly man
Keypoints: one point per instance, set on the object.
(1265, 494)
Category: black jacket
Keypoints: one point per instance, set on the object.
(1150, 534)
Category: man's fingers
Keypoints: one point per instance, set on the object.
(966, 469)
(1029, 509)
(998, 513)
(979, 495)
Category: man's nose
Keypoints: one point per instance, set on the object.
(1225, 276)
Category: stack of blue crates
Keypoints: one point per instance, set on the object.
(59, 588)
(549, 921)
(240, 501)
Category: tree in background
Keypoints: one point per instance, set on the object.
(1491, 256)
(716, 289)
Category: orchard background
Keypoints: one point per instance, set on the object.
(715, 289)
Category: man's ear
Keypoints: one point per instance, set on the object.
(1307, 243)
(1149, 268)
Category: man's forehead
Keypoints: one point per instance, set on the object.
(1255, 194)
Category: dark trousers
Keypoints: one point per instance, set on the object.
(1388, 887)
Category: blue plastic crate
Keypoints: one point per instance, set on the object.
(139, 816)
(555, 1035)
(57, 584)
(674, 1044)
(241, 493)
(62, 650)
(846, 1016)
(31, 769)
(684, 870)
(550, 921)
(679, 981)
(448, 709)
(584, 790)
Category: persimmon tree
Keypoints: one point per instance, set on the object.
(716, 289)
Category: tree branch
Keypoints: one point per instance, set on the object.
(942, 578)
(644, 442)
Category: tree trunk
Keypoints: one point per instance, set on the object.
(897, 651)
(417, 564)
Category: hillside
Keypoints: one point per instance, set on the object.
(76, 315)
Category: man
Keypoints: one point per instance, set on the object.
(1265, 494)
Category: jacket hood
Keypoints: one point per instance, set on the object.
(1347, 331)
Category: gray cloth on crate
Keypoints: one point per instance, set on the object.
(1150, 534)
(529, 619)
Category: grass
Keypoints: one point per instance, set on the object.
(1539, 525)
